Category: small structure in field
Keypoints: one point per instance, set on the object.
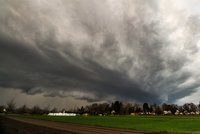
(133, 114)
(167, 112)
(85, 114)
(62, 114)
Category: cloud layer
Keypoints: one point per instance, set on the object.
(133, 50)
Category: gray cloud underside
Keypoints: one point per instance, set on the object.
(27, 71)
(97, 50)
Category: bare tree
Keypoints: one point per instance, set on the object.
(11, 106)
(36, 110)
(23, 110)
(54, 110)
(46, 110)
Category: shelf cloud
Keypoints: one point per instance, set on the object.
(129, 50)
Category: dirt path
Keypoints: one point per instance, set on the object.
(73, 128)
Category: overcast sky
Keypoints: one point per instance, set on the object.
(68, 53)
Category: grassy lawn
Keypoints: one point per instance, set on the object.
(182, 124)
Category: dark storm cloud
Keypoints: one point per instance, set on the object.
(98, 50)
(34, 74)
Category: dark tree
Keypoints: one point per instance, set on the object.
(158, 111)
(137, 108)
(92, 109)
(126, 109)
(190, 107)
(174, 108)
(117, 106)
(103, 109)
(2, 109)
(81, 110)
(193, 107)
(36, 110)
(166, 107)
(131, 110)
(145, 108)
(151, 108)
(181, 109)
(186, 107)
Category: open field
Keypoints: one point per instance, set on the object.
(13, 125)
(173, 124)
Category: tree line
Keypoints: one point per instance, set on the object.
(115, 108)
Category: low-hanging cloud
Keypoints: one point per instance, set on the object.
(134, 50)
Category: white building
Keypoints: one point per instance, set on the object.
(62, 114)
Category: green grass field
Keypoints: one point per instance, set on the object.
(177, 124)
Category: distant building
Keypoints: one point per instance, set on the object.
(62, 114)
